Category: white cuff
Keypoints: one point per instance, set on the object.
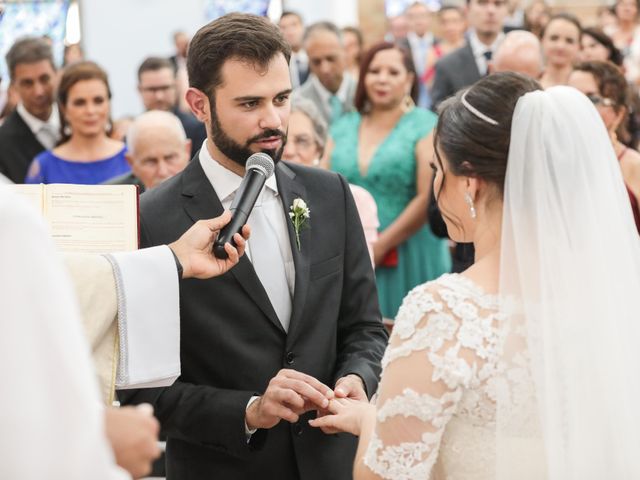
(148, 317)
(250, 431)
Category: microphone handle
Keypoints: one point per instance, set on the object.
(241, 208)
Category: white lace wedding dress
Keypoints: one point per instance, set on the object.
(437, 404)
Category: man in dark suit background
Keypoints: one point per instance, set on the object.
(465, 66)
(179, 59)
(418, 41)
(34, 125)
(297, 321)
(292, 27)
(158, 89)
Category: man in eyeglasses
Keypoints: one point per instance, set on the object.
(157, 87)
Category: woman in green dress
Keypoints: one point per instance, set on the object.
(386, 147)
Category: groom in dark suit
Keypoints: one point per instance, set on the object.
(265, 346)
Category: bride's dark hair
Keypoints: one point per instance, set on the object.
(475, 147)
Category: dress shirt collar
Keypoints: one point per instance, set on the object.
(35, 124)
(225, 182)
(342, 92)
(479, 48)
(300, 55)
(414, 39)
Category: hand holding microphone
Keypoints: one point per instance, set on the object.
(259, 167)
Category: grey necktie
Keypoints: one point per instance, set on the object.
(268, 260)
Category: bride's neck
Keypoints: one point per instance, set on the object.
(486, 239)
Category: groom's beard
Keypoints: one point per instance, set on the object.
(241, 153)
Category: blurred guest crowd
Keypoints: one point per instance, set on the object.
(366, 110)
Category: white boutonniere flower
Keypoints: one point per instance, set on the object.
(299, 215)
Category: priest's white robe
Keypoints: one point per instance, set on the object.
(51, 416)
(130, 310)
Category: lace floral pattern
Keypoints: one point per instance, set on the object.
(439, 372)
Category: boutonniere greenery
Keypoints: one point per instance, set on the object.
(299, 215)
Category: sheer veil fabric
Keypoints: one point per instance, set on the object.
(568, 385)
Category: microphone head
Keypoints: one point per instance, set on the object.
(261, 161)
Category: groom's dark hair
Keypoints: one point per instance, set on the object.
(239, 36)
(477, 147)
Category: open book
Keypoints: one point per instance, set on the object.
(88, 218)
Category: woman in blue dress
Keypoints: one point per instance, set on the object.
(85, 154)
(385, 147)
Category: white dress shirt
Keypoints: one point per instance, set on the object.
(419, 48)
(47, 133)
(299, 61)
(226, 183)
(480, 48)
(342, 93)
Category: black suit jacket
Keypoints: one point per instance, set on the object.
(232, 342)
(18, 147)
(454, 71)
(126, 179)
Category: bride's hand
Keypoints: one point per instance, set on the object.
(345, 415)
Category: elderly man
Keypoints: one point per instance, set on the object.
(158, 148)
(329, 87)
(519, 52)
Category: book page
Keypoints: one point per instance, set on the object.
(33, 193)
(92, 218)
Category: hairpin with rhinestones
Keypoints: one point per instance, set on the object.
(475, 111)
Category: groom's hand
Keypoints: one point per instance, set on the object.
(351, 386)
(288, 395)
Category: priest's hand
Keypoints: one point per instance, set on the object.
(194, 248)
(133, 435)
(288, 395)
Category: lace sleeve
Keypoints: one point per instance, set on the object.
(432, 356)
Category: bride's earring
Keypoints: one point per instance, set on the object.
(472, 208)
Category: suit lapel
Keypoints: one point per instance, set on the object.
(21, 128)
(289, 190)
(470, 60)
(201, 202)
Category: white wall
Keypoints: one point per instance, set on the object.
(119, 34)
(342, 12)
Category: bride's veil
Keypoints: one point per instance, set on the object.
(568, 396)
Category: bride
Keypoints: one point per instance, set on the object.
(525, 366)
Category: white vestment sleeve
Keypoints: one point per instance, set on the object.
(51, 417)
(148, 317)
